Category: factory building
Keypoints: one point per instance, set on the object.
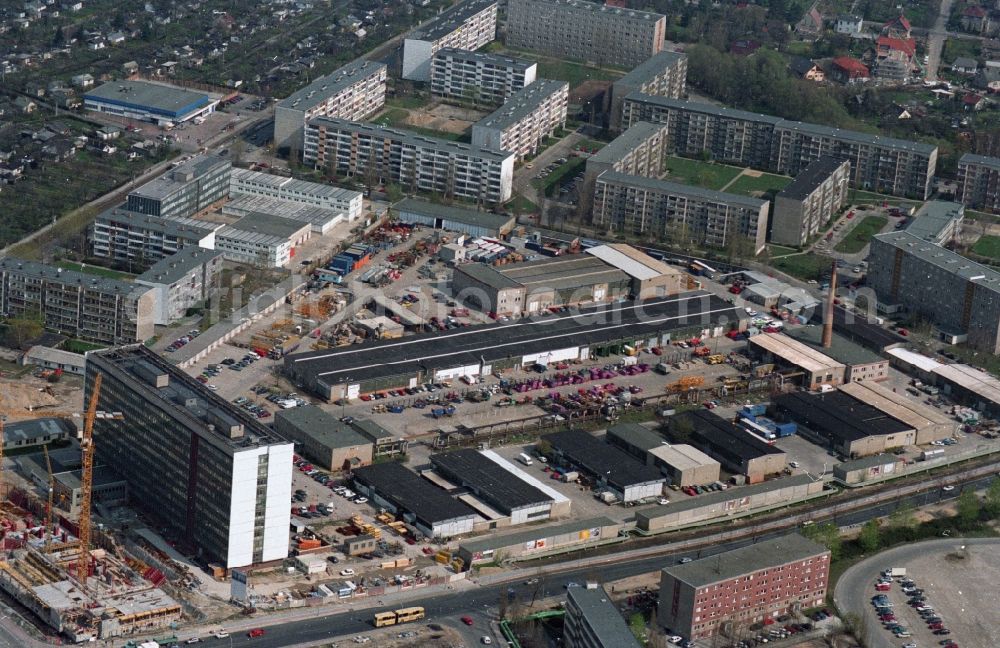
(414, 499)
(410, 160)
(883, 164)
(500, 491)
(807, 204)
(640, 151)
(140, 240)
(726, 593)
(526, 120)
(482, 349)
(734, 501)
(355, 91)
(978, 177)
(202, 467)
(321, 221)
(860, 363)
(323, 438)
(468, 25)
(737, 450)
(160, 104)
(384, 442)
(937, 221)
(636, 205)
(84, 306)
(262, 240)
(852, 427)
(663, 75)
(611, 469)
(862, 329)
(479, 77)
(299, 192)
(968, 385)
(533, 286)
(585, 31)
(798, 362)
(684, 465)
(182, 281)
(859, 471)
(961, 297)
(191, 187)
(456, 219)
(593, 621)
(650, 277)
(538, 541)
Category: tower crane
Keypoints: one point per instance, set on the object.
(48, 502)
(87, 472)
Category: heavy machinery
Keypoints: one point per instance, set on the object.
(685, 384)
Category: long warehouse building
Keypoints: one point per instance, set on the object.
(479, 350)
(611, 468)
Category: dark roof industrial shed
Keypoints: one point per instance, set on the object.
(723, 437)
(838, 416)
(411, 493)
(498, 486)
(601, 459)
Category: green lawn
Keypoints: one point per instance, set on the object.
(988, 246)
(393, 117)
(574, 73)
(521, 205)
(750, 186)
(777, 250)
(861, 235)
(406, 102)
(803, 266)
(551, 182)
(858, 196)
(701, 174)
(78, 346)
(95, 270)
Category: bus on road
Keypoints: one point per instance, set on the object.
(402, 615)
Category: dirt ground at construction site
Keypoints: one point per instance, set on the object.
(36, 394)
(444, 118)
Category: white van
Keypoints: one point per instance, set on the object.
(525, 459)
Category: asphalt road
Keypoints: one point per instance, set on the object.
(442, 606)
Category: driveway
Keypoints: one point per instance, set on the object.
(935, 40)
(855, 589)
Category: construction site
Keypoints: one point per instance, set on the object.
(77, 581)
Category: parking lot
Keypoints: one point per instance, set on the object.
(958, 581)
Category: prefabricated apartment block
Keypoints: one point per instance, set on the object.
(128, 237)
(189, 188)
(355, 91)
(525, 120)
(587, 31)
(884, 164)
(641, 150)
(84, 306)
(637, 205)
(469, 25)
(202, 467)
(979, 182)
(810, 201)
(479, 77)
(663, 74)
(182, 281)
(410, 160)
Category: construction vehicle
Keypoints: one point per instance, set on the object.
(685, 384)
(701, 352)
(715, 359)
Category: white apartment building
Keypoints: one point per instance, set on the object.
(810, 201)
(182, 281)
(479, 77)
(641, 150)
(314, 194)
(128, 237)
(662, 75)
(468, 25)
(528, 117)
(414, 162)
(582, 30)
(355, 91)
(639, 205)
(262, 240)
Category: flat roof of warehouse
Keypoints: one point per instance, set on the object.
(495, 341)
(840, 415)
(148, 95)
(450, 213)
(636, 435)
(842, 349)
(898, 405)
(521, 537)
(858, 326)
(717, 497)
(723, 435)
(411, 492)
(600, 458)
(795, 352)
(488, 478)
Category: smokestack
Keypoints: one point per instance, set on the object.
(828, 315)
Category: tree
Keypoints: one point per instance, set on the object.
(637, 624)
(992, 503)
(869, 537)
(21, 330)
(968, 509)
(827, 535)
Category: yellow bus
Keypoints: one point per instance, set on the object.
(405, 615)
(385, 619)
(402, 615)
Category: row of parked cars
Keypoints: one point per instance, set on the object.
(182, 340)
(404, 391)
(244, 362)
(252, 407)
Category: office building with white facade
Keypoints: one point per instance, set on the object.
(355, 91)
(189, 188)
(182, 281)
(638, 205)
(262, 240)
(303, 192)
(468, 25)
(587, 31)
(479, 77)
(810, 201)
(139, 240)
(529, 117)
(414, 162)
(200, 466)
